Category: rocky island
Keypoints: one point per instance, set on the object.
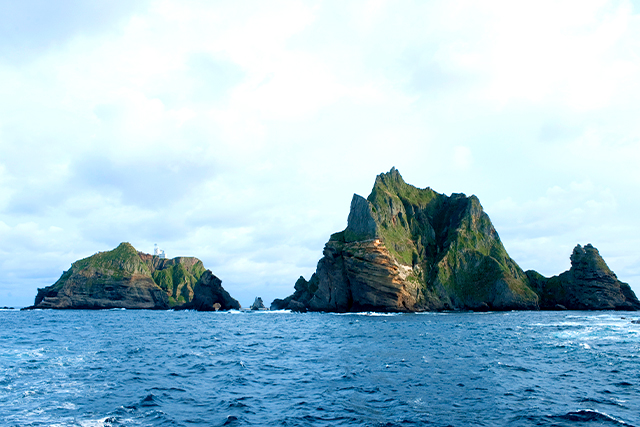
(588, 285)
(407, 249)
(126, 278)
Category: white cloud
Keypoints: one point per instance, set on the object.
(238, 132)
(462, 157)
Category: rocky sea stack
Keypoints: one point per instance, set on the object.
(407, 249)
(126, 278)
(588, 285)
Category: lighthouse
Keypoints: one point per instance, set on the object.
(157, 251)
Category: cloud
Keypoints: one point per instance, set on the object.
(238, 132)
(462, 157)
(541, 233)
(31, 27)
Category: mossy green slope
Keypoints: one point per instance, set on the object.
(178, 278)
(451, 245)
(412, 249)
(119, 262)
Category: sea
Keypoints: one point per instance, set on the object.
(276, 368)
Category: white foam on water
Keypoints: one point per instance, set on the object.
(270, 311)
(101, 422)
(68, 405)
(376, 314)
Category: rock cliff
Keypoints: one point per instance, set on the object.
(209, 295)
(588, 285)
(124, 278)
(411, 249)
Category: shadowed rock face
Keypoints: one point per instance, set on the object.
(588, 285)
(90, 289)
(209, 295)
(410, 249)
(123, 278)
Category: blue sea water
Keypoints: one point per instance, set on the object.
(164, 368)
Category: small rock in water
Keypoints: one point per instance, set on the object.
(258, 304)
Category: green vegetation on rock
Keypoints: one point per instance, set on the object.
(104, 278)
(412, 249)
(178, 281)
(121, 261)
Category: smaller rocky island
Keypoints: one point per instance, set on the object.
(588, 285)
(127, 278)
(258, 304)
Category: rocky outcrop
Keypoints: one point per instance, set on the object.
(411, 249)
(123, 278)
(299, 301)
(258, 304)
(588, 285)
(209, 295)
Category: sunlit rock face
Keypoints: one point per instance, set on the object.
(411, 249)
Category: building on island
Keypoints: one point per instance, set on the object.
(158, 252)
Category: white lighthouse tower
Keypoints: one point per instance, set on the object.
(157, 251)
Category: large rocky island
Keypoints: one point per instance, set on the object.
(407, 249)
(126, 278)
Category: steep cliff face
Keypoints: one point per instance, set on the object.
(209, 295)
(410, 249)
(176, 276)
(123, 278)
(588, 285)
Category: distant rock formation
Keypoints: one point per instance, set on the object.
(410, 249)
(258, 304)
(588, 285)
(123, 278)
(299, 301)
(209, 295)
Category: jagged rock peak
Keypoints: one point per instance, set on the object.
(588, 285)
(411, 249)
(258, 304)
(588, 258)
(360, 224)
(393, 176)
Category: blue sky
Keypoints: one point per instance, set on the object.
(237, 132)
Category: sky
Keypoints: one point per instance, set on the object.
(238, 131)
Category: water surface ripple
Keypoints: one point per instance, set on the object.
(154, 368)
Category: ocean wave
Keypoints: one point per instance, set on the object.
(586, 415)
